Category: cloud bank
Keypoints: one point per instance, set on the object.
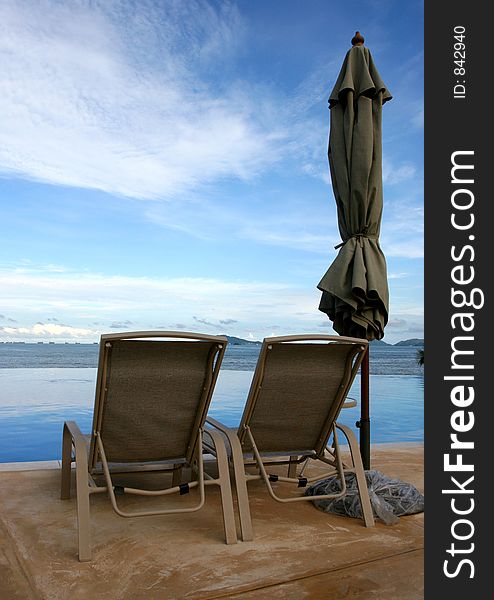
(81, 305)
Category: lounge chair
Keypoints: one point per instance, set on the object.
(153, 390)
(299, 387)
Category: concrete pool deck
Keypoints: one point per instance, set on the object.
(298, 551)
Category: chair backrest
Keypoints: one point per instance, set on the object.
(153, 391)
(299, 386)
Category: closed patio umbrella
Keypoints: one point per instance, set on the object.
(355, 288)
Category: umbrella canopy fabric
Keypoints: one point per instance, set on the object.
(355, 289)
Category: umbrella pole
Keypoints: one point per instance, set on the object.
(364, 423)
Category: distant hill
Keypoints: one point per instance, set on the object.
(417, 342)
(236, 341)
(414, 342)
(379, 343)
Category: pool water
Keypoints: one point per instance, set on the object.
(34, 403)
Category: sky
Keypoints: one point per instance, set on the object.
(163, 164)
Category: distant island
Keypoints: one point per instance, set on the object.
(418, 342)
(415, 342)
(236, 341)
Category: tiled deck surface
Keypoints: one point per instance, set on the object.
(299, 552)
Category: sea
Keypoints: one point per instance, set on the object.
(42, 385)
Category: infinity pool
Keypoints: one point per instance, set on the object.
(34, 403)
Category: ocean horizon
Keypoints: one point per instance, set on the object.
(384, 359)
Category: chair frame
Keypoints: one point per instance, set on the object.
(330, 455)
(88, 458)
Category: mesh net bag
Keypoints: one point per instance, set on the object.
(390, 498)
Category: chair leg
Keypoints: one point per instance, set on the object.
(241, 489)
(225, 488)
(177, 475)
(83, 520)
(72, 436)
(292, 467)
(363, 491)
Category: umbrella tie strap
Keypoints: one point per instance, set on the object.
(358, 236)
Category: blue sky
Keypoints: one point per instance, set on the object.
(164, 164)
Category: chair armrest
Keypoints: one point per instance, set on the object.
(217, 425)
(231, 436)
(78, 438)
(73, 437)
(349, 403)
(228, 432)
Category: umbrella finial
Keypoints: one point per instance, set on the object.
(358, 39)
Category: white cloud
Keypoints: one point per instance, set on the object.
(110, 96)
(402, 233)
(399, 328)
(129, 98)
(404, 217)
(405, 308)
(393, 174)
(406, 249)
(48, 330)
(318, 170)
(299, 239)
(122, 97)
(315, 231)
(81, 305)
(83, 299)
(269, 223)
